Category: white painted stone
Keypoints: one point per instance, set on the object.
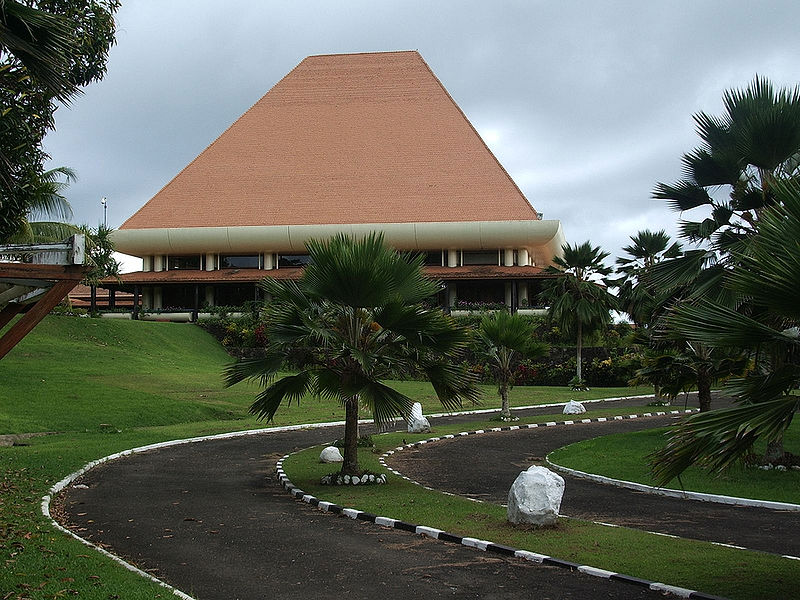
(417, 423)
(331, 454)
(535, 497)
(574, 408)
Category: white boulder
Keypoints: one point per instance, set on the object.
(331, 454)
(417, 423)
(574, 408)
(535, 497)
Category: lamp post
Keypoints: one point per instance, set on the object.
(104, 202)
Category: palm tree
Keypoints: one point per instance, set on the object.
(45, 199)
(767, 274)
(505, 339)
(353, 320)
(746, 149)
(636, 295)
(578, 303)
(43, 42)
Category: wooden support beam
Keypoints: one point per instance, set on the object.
(34, 315)
(8, 312)
(38, 271)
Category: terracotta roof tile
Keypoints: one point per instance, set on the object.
(350, 138)
(253, 275)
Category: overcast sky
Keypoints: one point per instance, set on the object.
(586, 104)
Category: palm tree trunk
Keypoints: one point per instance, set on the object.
(704, 390)
(775, 452)
(579, 347)
(505, 409)
(350, 464)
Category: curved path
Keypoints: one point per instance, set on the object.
(209, 519)
(484, 467)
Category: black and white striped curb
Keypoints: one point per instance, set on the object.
(483, 545)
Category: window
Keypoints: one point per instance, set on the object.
(433, 258)
(235, 294)
(178, 296)
(293, 260)
(481, 257)
(238, 261)
(183, 263)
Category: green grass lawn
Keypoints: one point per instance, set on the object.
(92, 375)
(735, 574)
(630, 450)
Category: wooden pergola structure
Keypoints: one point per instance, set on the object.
(36, 277)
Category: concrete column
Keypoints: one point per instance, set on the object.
(269, 263)
(147, 263)
(522, 257)
(508, 294)
(508, 257)
(209, 295)
(210, 259)
(452, 258)
(147, 298)
(158, 262)
(523, 294)
(452, 294)
(157, 298)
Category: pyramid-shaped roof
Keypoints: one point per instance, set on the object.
(348, 138)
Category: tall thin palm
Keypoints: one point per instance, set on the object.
(578, 303)
(636, 294)
(505, 340)
(354, 320)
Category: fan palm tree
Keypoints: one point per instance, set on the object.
(43, 42)
(353, 320)
(45, 200)
(767, 274)
(578, 303)
(506, 339)
(636, 295)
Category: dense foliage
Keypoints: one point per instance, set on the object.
(48, 50)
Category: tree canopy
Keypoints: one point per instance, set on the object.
(354, 320)
(49, 49)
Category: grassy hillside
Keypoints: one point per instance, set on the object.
(75, 374)
(99, 375)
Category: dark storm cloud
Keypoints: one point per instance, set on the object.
(586, 105)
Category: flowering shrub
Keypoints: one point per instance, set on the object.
(238, 335)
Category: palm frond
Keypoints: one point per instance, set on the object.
(262, 368)
(290, 388)
(716, 439)
(384, 402)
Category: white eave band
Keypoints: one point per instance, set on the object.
(466, 235)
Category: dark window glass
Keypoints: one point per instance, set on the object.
(293, 260)
(175, 263)
(431, 258)
(481, 291)
(480, 258)
(178, 296)
(234, 295)
(238, 261)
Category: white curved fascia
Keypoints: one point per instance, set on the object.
(543, 237)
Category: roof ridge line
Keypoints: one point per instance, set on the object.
(471, 126)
